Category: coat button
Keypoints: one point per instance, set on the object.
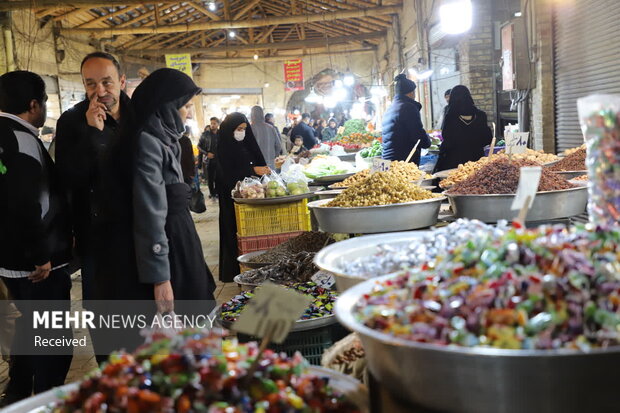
(157, 248)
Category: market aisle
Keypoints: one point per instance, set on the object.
(207, 226)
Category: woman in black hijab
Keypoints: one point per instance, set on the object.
(465, 131)
(239, 157)
(168, 251)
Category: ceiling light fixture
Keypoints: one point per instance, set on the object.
(212, 6)
(518, 14)
(232, 34)
(255, 57)
(349, 80)
(455, 16)
(266, 85)
(421, 76)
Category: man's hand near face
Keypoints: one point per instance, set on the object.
(96, 113)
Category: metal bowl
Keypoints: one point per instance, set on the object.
(332, 257)
(329, 194)
(484, 380)
(347, 156)
(245, 260)
(546, 206)
(374, 219)
(333, 178)
(571, 174)
(443, 174)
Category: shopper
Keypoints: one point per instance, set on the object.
(266, 136)
(465, 131)
(304, 130)
(188, 162)
(83, 134)
(270, 119)
(402, 125)
(239, 157)
(169, 254)
(207, 146)
(446, 96)
(330, 132)
(318, 129)
(298, 148)
(35, 240)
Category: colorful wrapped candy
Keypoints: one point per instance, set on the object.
(600, 122)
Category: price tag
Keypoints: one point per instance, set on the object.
(274, 310)
(529, 178)
(516, 142)
(323, 279)
(380, 165)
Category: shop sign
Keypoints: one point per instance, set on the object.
(529, 177)
(516, 142)
(293, 75)
(380, 165)
(323, 279)
(272, 312)
(181, 62)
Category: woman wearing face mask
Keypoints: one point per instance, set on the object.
(168, 251)
(239, 157)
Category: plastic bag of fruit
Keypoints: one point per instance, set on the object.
(273, 185)
(251, 188)
(295, 179)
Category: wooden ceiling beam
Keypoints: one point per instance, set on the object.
(246, 9)
(265, 35)
(296, 44)
(79, 4)
(250, 59)
(205, 11)
(106, 17)
(66, 15)
(226, 9)
(142, 16)
(241, 24)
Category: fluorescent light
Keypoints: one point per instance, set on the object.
(421, 76)
(444, 71)
(255, 57)
(455, 16)
(235, 97)
(349, 80)
(232, 34)
(518, 14)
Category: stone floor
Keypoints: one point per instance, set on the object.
(208, 230)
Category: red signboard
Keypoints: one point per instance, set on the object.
(293, 75)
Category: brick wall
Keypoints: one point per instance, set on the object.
(478, 57)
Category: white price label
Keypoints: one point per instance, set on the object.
(272, 311)
(323, 279)
(529, 178)
(516, 142)
(380, 165)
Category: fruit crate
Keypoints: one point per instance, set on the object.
(310, 343)
(263, 242)
(254, 220)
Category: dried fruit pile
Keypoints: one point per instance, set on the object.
(311, 241)
(297, 268)
(576, 161)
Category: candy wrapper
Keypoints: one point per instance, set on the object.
(599, 116)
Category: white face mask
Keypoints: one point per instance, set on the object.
(239, 135)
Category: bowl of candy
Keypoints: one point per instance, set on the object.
(507, 322)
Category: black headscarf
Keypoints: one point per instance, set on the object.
(237, 159)
(461, 102)
(157, 100)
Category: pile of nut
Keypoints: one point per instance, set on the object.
(576, 161)
(581, 178)
(381, 188)
(352, 180)
(408, 171)
(573, 150)
(464, 171)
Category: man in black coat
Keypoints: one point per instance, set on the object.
(304, 130)
(82, 135)
(207, 145)
(35, 237)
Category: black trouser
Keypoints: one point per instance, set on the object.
(36, 373)
(211, 171)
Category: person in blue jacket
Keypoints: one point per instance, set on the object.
(402, 125)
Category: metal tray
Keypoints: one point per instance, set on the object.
(347, 157)
(300, 325)
(245, 260)
(485, 380)
(355, 391)
(571, 174)
(546, 206)
(273, 201)
(332, 257)
(374, 219)
(329, 194)
(333, 178)
(443, 174)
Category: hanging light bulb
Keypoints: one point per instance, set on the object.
(232, 34)
(340, 94)
(349, 80)
(330, 102)
(255, 57)
(421, 76)
(338, 83)
(212, 6)
(455, 16)
(312, 97)
(266, 85)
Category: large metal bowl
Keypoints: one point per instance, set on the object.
(485, 380)
(571, 174)
(331, 179)
(546, 206)
(333, 257)
(374, 219)
(245, 260)
(329, 194)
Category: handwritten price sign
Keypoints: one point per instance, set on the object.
(380, 165)
(323, 279)
(272, 311)
(516, 142)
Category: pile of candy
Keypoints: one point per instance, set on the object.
(602, 133)
(501, 176)
(322, 302)
(548, 288)
(194, 372)
(390, 258)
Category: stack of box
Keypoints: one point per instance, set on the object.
(263, 227)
